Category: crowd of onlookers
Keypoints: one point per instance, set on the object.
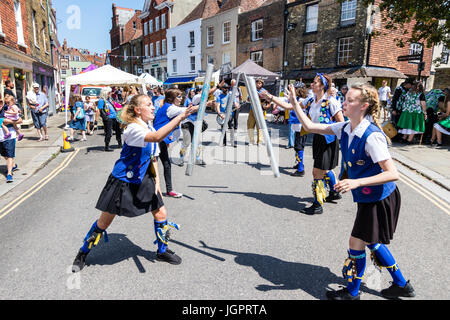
(412, 111)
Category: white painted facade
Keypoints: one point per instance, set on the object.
(184, 54)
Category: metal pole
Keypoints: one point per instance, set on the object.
(257, 109)
(229, 109)
(200, 115)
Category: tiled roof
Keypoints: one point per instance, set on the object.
(245, 5)
(205, 9)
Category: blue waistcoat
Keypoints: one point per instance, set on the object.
(325, 118)
(133, 163)
(161, 119)
(293, 116)
(360, 165)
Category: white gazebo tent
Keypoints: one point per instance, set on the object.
(103, 76)
(150, 80)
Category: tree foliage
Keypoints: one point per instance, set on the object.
(431, 19)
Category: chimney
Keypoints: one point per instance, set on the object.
(115, 17)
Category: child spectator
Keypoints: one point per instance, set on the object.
(11, 112)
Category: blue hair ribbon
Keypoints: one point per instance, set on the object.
(324, 81)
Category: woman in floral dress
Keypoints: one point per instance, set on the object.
(412, 119)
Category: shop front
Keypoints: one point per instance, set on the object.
(18, 68)
(44, 75)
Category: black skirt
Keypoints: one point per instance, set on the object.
(376, 221)
(326, 156)
(129, 199)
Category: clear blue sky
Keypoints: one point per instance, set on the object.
(86, 23)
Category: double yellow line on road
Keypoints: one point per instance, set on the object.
(444, 206)
(36, 187)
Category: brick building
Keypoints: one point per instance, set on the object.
(39, 29)
(261, 36)
(131, 45)
(338, 39)
(158, 16)
(120, 16)
(219, 33)
(16, 62)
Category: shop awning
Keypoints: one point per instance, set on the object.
(180, 80)
(345, 73)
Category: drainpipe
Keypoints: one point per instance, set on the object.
(52, 45)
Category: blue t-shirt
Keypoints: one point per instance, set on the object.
(157, 102)
(110, 108)
(222, 100)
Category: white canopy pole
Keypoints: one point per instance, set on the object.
(66, 102)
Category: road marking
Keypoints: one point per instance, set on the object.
(36, 187)
(427, 194)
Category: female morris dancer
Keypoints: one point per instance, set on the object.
(133, 187)
(371, 174)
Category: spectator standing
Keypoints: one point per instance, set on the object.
(158, 98)
(109, 115)
(251, 121)
(384, 93)
(398, 98)
(9, 87)
(414, 114)
(79, 121)
(89, 109)
(39, 106)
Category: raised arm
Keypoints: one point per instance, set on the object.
(306, 122)
(162, 133)
(271, 98)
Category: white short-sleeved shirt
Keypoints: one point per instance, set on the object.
(314, 111)
(376, 145)
(134, 135)
(383, 93)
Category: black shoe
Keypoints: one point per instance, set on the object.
(298, 174)
(395, 291)
(168, 256)
(108, 149)
(333, 196)
(314, 209)
(342, 294)
(79, 262)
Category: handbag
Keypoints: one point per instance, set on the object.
(389, 130)
(81, 114)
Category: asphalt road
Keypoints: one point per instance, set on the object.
(241, 237)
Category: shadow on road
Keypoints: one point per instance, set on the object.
(281, 201)
(285, 275)
(118, 249)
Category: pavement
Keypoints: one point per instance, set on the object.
(32, 155)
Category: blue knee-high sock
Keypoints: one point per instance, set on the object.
(299, 157)
(162, 247)
(387, 260)
(354, 284)
(330, 179)
(85, 247)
